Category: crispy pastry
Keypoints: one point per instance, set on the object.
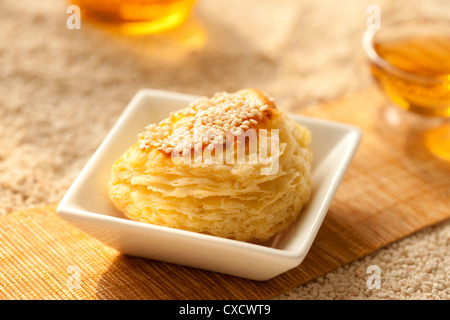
(232, 166)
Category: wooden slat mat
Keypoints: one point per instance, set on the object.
(393, 188)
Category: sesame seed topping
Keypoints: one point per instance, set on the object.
(205, 122)
(238, 131)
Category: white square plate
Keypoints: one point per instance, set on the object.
(87, 206)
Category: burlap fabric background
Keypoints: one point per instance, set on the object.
(61, 90)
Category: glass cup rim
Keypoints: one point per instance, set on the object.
(374, 57)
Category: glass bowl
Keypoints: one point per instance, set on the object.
(410, 61)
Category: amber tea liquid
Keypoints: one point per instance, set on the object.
(136, 16)
(427, 57)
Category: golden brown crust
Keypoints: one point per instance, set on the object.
(272, 111)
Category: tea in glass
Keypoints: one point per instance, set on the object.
(136, 16)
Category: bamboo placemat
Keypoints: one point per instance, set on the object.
(393, 188)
